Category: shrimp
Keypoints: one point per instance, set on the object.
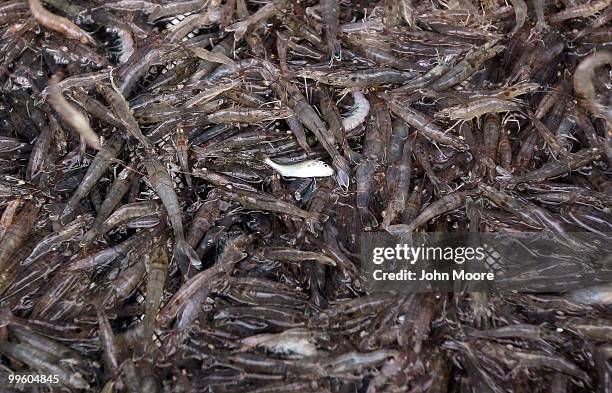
(207, 279)
(44, 364)
(320, 203)
(221, 180)
(121, 108)
(208, 94)
(21, 40)
(13, 238)
(332, 116)
(29, 336)
(583, 85)
(477, 108)
(113, 353)
(267, 11)
(54, 239)
(534, 216)
(546, 134)
(506, 93)
(203, 220)
(424, 125)
(117, 190)
(549, 99)
(571, 162)
(179, 32)
(292, 255)
(600, 21)
(157, 271)
(413, 205)
(82, 80)
(399, 195)
(423, 81)
(164, 187)
(525, 154)
(399, 134)
(157, 11)
(358, 78)
(72, 116)
(213, 57)
(491, 133)
(95, 108)
(584, 123)
(182, 153)
(340, 365)
(381, 120)
(505, 150)
(96, 169)
(466, 67)
(139, 63)
(247, 115)
(129, 212)
(250, 200)
(442, 206)
(364, 177)
(58, 23)
(579, 11)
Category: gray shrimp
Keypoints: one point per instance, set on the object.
(164, 187)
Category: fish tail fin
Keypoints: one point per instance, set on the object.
(334, 49)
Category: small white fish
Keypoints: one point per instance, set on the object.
(309, 168)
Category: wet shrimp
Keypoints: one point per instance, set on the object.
(421, 123)
(443, 205)
(58, 23)
(164, 187)
(71, 115)
(477, 108)
(265, 12)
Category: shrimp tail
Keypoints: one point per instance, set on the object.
(343, 179)
(335, 50)
(186, 255)
(342, 171)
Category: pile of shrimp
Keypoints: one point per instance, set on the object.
(185, 187)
